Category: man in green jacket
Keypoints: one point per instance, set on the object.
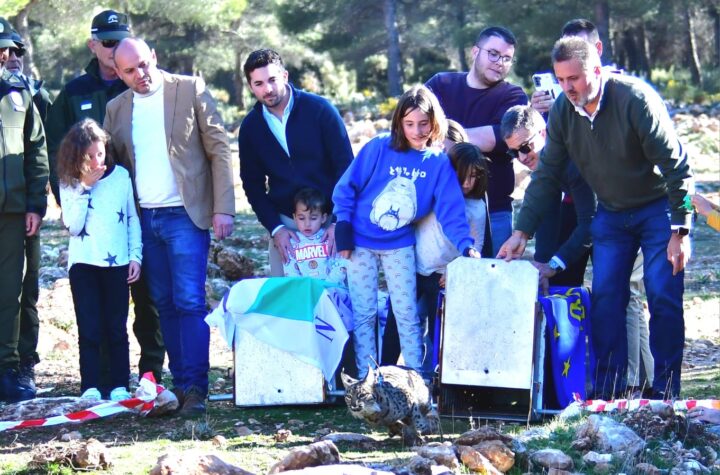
(618, 132)
(29, 321)
(23, 177)
(87, 96)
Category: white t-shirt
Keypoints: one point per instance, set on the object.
(433, 250)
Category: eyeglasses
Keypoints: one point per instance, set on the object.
(109, 43)
(524, 148)
(494, 57)
(17, 52)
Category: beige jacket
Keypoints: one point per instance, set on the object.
(197, 145)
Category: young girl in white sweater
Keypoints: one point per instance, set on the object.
(104, 255)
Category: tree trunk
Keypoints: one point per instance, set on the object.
(714, 12)
(239, 80)
(460, 17)
(691, 47)
(642, 51)
(20, 22)
(602, 22)
(393, 72)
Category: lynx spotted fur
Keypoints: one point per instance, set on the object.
(394, 397)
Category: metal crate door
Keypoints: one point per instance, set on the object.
(488, 327)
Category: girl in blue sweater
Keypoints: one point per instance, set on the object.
(395, 180)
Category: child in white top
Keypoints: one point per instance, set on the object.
(310, 256)
(105, 252)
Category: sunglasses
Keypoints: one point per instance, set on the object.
(109, 43)
(17, 52)
(524, 148)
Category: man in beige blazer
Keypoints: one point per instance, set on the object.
(166, 130)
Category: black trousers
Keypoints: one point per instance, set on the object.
(101, 299)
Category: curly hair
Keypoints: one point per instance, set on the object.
(72, 158)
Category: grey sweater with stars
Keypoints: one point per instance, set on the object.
(103, 221)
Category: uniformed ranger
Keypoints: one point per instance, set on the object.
(87, 96)
(23, 178)
(29, 321)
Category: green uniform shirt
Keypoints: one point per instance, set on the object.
(23, 154)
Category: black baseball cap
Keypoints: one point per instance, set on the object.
(110, 25)
(6, 30)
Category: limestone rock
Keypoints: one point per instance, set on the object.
(418, 465)
(243, 431)
(317, 453)
(689, 467)
(234, 265)
(582, 444)
(497, 453)
(552, 458)
(594, 458)
(338, 469)
(610, 436)
(92, 455)
(440, 454)
(194, 464)
(70, 436)
(473, 437)
(646, 469)
(476, 461)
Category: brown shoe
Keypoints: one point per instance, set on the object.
(193, 402)
(179, 394)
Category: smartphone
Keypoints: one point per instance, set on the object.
(547, 82)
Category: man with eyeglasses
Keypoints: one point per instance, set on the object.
(87, 96)
(618, 132)
(29, 321)
(477, 100)
(23, 200)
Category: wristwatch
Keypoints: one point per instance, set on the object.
(555, 265)
(682, 231)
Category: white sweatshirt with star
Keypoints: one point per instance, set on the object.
(103, 221)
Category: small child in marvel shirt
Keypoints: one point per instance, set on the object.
(310, 256)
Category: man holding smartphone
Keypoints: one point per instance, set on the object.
(640, 359)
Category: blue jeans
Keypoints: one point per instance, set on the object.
(616, 238)
(175, 255)
(501, 223)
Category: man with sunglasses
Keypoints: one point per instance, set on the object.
(23, 200)
(87, 96)
(29, 321)
(477, 99)
(560, 262)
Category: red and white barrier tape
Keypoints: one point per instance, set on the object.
(598, 405)
(142, 403)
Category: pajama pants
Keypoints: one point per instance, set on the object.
(399, 268)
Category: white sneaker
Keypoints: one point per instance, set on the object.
(92, 393)
(119, 394)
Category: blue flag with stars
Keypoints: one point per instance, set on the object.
(568, 326)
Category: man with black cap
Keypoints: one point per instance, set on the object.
(29, 322)
(87, 96)
(23, 178)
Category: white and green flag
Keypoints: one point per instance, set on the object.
(293, 314)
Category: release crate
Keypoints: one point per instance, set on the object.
(267, 376)
(492, 341)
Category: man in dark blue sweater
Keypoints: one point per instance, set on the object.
(477, 100)
(290, 140)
